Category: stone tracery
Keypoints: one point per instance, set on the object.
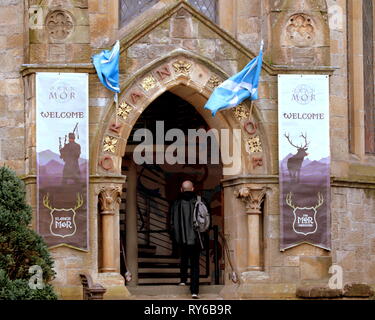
(59, 24)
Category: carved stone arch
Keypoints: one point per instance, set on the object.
(191, 77)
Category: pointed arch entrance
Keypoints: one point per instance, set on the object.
(151, 255)
(193, 79)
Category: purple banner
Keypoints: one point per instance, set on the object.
(304, 160)
(62, 158)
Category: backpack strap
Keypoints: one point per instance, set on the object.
(199, 199)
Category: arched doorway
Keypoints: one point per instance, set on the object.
(192, 79)
(149, 252)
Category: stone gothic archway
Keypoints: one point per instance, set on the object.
(192, 78)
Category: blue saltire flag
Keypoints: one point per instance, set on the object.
(237, 88)
(107, 67)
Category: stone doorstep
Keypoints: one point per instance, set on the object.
(353, 290)
(172, 290)
(265, 291)
(317, 293)
(358, 290)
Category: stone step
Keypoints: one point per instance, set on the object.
(146, 249)
(155, 281)
(158, 260)
(163, 273)
(158, 290)
(158, 270)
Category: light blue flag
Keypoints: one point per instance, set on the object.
(107, 67)
(237, 88)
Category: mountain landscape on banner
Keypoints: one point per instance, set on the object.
(308, 168)
(50, 163)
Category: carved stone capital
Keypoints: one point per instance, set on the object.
(253, 198)
(108, 197)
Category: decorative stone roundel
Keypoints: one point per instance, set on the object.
(300, 30)
(59, 24)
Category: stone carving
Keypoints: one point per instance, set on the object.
(108, 197)
(110, 144)
(254, 145)
(253, 198)
(182, 67)
(163, 72)
(257, 162)
(106, 163)
(250, 127)
(135, 96)
(148, 83)
(214, 82)
(59, 24)
(115, 127)
(124, 110)
(300, 30)
(241, 112)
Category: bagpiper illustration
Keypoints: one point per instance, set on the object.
(70, 154)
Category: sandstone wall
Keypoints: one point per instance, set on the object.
(353, 233)
(12, 54)
(26, 38)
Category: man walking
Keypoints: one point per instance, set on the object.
(186, 236)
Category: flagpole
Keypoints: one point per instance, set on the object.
(252, 101)
(251, 108)
(116, 95)
(261, 49)
(116, 112)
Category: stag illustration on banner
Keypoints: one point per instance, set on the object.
(295, 162)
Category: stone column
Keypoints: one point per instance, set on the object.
(109, 199)
(253, 198)
(131, 224)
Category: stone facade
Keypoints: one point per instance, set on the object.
(173, 47)
(12, 46)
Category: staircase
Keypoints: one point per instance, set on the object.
(164, 270)
(157, 261)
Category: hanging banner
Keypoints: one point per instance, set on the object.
(62, 158)
(304, 160)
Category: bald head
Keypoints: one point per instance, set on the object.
(187, 186)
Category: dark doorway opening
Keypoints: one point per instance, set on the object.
(157, 186)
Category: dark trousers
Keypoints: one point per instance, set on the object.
(192, 253)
